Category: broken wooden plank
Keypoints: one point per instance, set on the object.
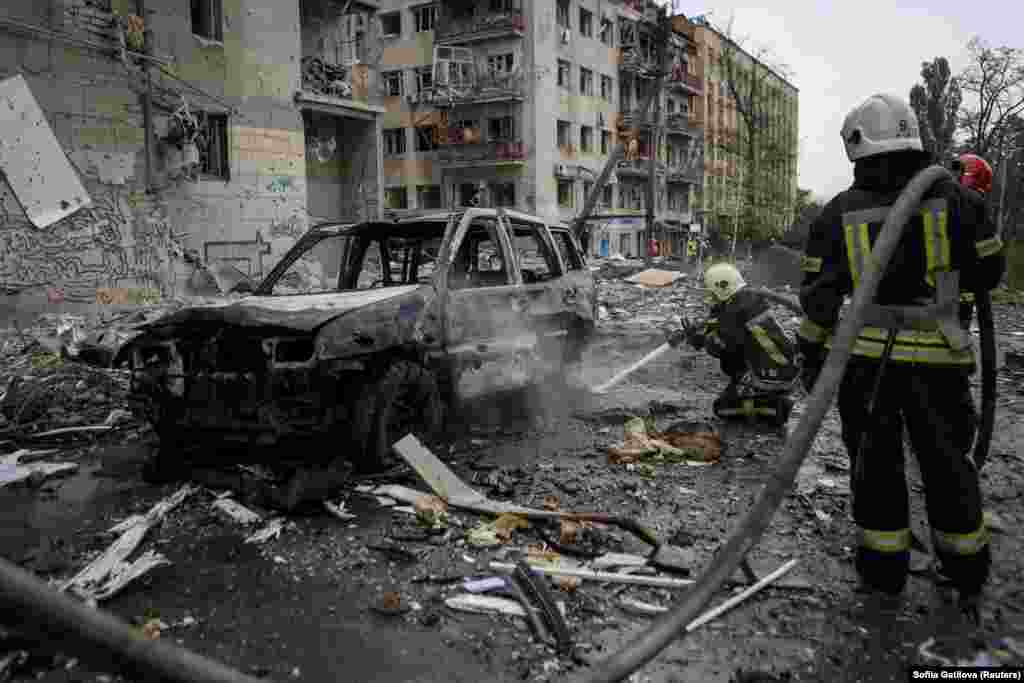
(485, 604)
(607, 577)
(13, 470)
(737, 599)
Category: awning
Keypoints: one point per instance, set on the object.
(338, 106)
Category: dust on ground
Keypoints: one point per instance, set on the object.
(307, 605)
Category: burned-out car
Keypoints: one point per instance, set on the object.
(361, 333)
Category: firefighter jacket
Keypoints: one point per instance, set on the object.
(942, 239)
(745, 336)
(975, 212)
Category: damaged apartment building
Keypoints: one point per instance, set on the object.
(206, 132)
(515, 103)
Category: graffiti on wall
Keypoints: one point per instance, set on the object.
(119, 241)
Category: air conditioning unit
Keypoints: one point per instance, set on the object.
(565, 36)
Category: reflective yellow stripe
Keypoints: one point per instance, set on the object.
(768, 344)
(812, 332)
(961, 544)
(885, 541)
(936, 239)
(811, 264)
(853, 254)
(988, 247)
(911, 346)
(747, 408)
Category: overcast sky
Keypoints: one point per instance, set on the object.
(840, 53)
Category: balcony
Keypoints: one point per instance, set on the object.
(493, 153)
(639, 167)
(460, 31)
(634, 118)
(679, 175)
(633, 60)
(682, 124)
(484, 89)
(686, 82)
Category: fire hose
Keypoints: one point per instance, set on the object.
(670, 627)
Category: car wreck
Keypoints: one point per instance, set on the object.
(360, 334)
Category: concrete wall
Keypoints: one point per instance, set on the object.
(130, 238)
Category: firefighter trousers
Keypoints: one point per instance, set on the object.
(934, 404)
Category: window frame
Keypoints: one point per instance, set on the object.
(586, 139)
(586, 81)
(404, 195)
(208, 17)
(564, 78)
(424, 133)
(571, 190)
(431, 11)
(397, 15)
(397, 136)
(217, 133)
(398, 76)
(422, 190)
(586, 20)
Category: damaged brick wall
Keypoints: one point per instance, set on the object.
(129, 238)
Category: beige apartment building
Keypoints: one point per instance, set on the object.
(518, 103)
(726, 173)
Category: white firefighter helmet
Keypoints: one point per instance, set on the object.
(882, 123)
(722, 281)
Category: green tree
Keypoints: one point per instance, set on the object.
(937, 103)
(993, 85)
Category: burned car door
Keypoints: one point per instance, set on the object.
(484, 305)
(576, 286)
(541, 274)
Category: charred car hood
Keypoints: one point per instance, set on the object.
(301, 312)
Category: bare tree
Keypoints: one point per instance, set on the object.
(937, 103)
(761, 147)
(994, 85)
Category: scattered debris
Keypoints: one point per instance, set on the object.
(643, 444)
(273, 529)
(392, 605)
(488, 584)
(739, 597)
(609, 577)
(431, 512)
(110, 572)
(655, 278)
(338, 510)
(485, 604)
(236, 511)
(13, 470)
(615, 560)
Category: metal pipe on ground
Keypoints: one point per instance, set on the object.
(91, 634)
(670, 627)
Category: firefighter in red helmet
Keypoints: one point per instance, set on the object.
(975, 182)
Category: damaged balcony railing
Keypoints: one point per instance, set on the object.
(488, 87)
(481, 153)
(681, 124)
(471, 29)
(639, 166)
(633, 59)
(687, 82)
(632, 117)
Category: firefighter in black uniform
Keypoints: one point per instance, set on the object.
(754, 351)
(926, 377)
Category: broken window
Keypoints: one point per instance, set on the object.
(424, 79)
(479, 260)
(606, 196)
(627, 33)
(607, 89)
(501, 128)
(213, 147)
(498, 64)
(392, 83)
(453, 66)
(586, 23)
(564, 243)
(424, 18)
(391, 24)
(468, 194)
(504, 5)
(606, 142)
(563, 74)
(208, 19)
(562, 132)
(606, 33)
(588, 187)
(394, 141)
(562, 13)
(565, 192)
(396, 198)
(425, 139)
(503, 194)
(586, 81)
(536, 262)
(586, 139)
(316, 271)
(428, 196)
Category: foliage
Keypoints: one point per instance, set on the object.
(760, 150)
(936, 103)
(807, 210)
(993, 83)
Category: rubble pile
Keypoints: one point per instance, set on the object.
(325, 78)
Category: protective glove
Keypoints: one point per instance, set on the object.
(813, 359)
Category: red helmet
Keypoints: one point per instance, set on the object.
(975, 173)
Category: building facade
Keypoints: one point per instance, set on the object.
(262, 121)
(727, 172)
(518, 103)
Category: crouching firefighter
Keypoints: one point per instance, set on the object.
(760, 360)
(912, 360)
